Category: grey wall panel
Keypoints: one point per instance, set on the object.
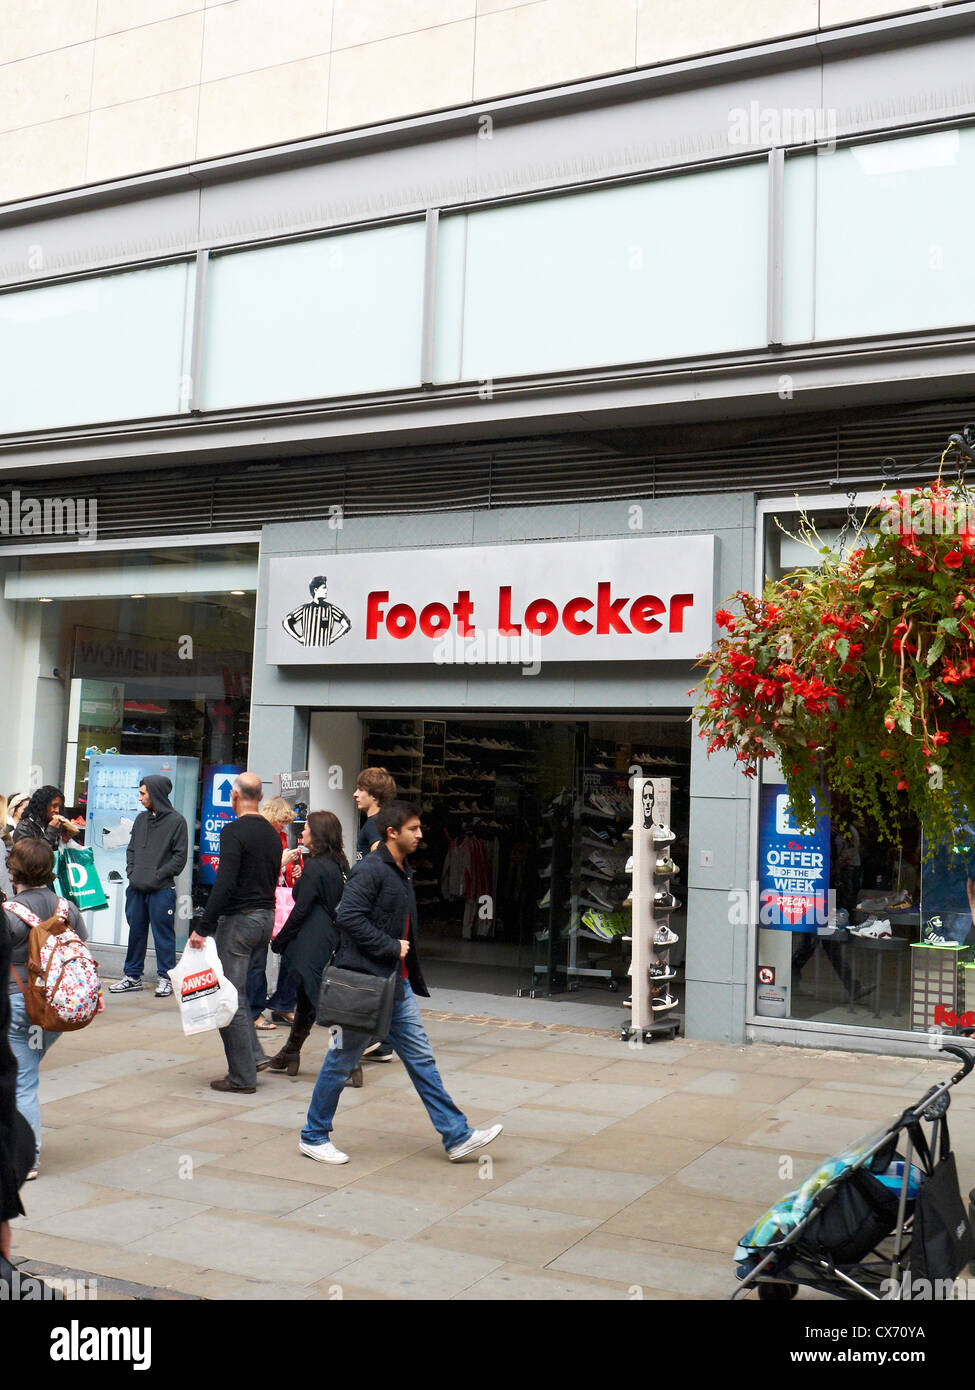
(529, 524)
(717, 775)
(710, 954)
(875, 89)
(713, 1013)
(278, 740)
(126, 230)
(722, 829)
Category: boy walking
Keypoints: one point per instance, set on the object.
(377, 926)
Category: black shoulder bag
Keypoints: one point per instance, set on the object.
(353, 999)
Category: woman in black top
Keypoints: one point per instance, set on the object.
(43, 820)
(308, 939)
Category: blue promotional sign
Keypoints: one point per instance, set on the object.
(215, 813)
(793, 867)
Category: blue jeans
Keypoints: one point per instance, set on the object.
(29, 1044)
(412, 1045)
(142, 911)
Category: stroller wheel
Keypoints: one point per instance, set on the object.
(777, 1293)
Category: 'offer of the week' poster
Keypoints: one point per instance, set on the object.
(793, 871)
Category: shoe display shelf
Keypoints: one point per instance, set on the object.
(651, 813)
(599, 883)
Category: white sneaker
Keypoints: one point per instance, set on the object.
(874, 930)
(478, 1140)
(323, 1153)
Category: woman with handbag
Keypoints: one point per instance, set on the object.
(282, 1002)
(308, 940)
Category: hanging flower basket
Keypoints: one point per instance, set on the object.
(858, 673)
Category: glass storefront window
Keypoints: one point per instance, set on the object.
(865, 960)
(144, 652)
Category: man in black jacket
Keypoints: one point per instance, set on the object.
(377, 928)
(156, 854)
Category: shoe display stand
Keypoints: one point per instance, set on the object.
(651, 810)
(937, 979)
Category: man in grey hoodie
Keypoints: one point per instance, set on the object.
(156, 853)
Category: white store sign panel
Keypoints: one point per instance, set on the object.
(646, 599)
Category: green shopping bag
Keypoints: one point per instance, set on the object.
(77, 879)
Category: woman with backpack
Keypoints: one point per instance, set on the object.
(31, 867)
(308, 939)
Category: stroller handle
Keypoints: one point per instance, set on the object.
(966, 1057)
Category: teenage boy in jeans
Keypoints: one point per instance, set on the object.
(377, 934)
(374, 789)
(155, 857)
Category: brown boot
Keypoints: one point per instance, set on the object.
(289, 1058)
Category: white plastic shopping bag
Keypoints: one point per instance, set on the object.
(207, 999)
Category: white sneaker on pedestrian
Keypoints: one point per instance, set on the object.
(478, 1140)
(125, 985)
(163, 989)
(323, 1153)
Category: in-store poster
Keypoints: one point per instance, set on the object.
(215, 813)
(793, 867)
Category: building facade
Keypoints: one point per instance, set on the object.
(604, 291)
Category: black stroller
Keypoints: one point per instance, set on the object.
(873, 1223)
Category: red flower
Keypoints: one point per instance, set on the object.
(939, 738)
(725, 619)
(902, 785)
(953, 559)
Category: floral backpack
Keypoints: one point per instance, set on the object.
(63, 992)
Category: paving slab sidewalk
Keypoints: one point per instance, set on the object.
(624, 1171)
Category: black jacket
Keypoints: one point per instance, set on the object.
(376, 905)
(159, 843)
(309, 937)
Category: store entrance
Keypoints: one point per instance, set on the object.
(521, 881)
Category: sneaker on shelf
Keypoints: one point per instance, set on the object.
(627, 1003)
(595, 893)
(660, 1002)
(660, 971)
(875, 930)
(125, 986)
(664, 937)
(665, 868)
(628, 900)
(593, 806)
(595, 838)
(547, 900)
(546, 872)
(594, 869)
(629, 865)
(664, 902)
(933, 934)
(663, 836)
